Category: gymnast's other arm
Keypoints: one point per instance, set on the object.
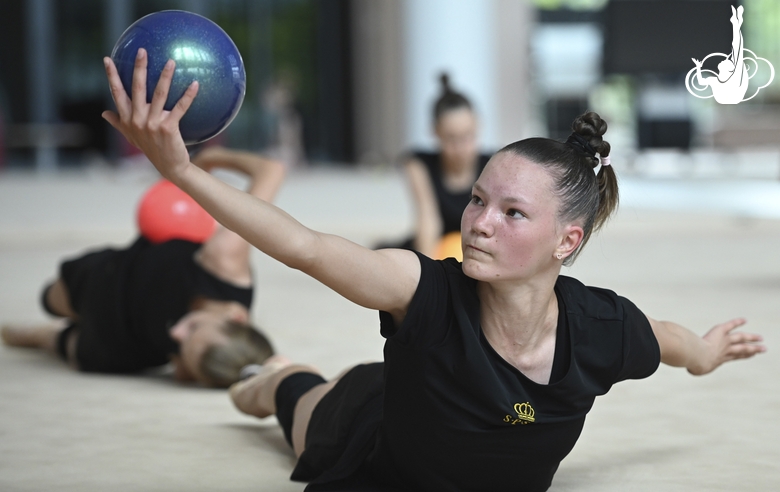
(383, 280)
(681, 347)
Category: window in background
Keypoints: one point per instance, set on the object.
(567, 49)
(301, 45)
(761, 28)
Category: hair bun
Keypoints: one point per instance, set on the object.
(589, 124)
(592, 127)
(448, 99)
(444, 80)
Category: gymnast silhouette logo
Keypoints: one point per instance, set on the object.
(730, 84)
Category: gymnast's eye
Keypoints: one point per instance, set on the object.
(476, 200)
(515, 214)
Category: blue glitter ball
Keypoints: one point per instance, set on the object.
(203, 52)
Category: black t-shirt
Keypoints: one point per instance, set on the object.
(451, 205)
(457, 416)
(127, 299)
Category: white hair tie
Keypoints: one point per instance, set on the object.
(603, 161)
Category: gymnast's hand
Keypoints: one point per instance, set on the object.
(681, 347)
(723, 344)
(148, 126)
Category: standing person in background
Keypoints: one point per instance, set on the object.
(441, 181)
(135, 308)
(285, 122)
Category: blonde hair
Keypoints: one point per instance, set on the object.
(222, 362)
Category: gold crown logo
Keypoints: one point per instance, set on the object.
(524, 411)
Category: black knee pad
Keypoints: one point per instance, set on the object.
(287, 395)
(45, 303)
(62, 341)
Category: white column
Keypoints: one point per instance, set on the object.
(378, 80)
(516, 115)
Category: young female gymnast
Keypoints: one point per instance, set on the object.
(441, 181)
(490, 365)
(125, 310)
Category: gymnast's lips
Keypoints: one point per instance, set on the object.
(474, 248)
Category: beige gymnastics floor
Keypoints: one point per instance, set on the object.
(64, 431)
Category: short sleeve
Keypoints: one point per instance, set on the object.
(429, 313)
(641, 353)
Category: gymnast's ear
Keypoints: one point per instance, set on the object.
(570, 239)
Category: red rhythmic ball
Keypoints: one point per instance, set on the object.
(165, 212)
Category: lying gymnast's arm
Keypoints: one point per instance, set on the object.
(226, 254)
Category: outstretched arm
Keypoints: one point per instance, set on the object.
(384, 279)
(680, 347)
(265, 175)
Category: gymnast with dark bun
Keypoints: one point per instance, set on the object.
(126, 310)
(490, 365)
(440, 181)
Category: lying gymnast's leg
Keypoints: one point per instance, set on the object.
(56, 300)
(56, 337)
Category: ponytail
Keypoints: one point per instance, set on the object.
(591, 128)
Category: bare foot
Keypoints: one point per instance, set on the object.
(42, 336)
(256, 395)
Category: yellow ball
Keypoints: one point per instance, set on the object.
(450, 247)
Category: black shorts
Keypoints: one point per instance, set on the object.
(94, 284)
(342, 430)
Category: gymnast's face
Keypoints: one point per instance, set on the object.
(196, 332)
(510, 230)
(457, 133)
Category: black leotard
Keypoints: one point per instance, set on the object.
(127, 299)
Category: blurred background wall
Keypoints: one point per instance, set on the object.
(353, 81)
